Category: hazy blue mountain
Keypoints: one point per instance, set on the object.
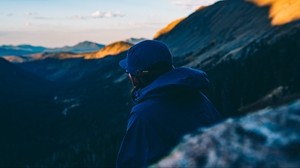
(85, 46)
(20, 50)
(25, 50)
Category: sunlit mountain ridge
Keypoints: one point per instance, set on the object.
(111, 49)
(281, 11)
(168, 28)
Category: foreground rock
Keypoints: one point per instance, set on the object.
(268, 138)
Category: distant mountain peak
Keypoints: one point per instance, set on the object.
(81, 47)
(86, 43)
(134, 41)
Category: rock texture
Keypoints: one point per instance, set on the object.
(267, 138)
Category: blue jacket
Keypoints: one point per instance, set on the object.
(168, 108)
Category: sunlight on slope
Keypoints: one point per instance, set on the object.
(168, 28)
(281, 11)
(14, 59)
(111, 49)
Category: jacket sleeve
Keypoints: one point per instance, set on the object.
(134, 148)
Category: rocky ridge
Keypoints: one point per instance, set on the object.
(267, 138)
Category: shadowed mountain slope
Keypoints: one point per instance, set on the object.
(26, 109)
(14, 79)
(245, 56)
(222, 27)
(70, 120)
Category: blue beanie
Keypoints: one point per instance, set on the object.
(145, 54)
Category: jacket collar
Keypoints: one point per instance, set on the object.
(185, 77)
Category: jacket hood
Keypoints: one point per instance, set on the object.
(182, 77)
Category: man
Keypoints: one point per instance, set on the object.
(168, 104)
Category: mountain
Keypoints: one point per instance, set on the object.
(73, 112)
(245, 55)
(82, 50)
(217, 27)
(29, 116)
(168, 28)
(24, 53)
(54, 55)
(78, 115)
(281, 11)
(263, 139)
(51, 123)
(87, 50)
(14, 78)
(111, 49)
(62, 70)
(134, 40)
(15, 59)
(20, 50)
(85, 46)
(42, 56)
(64, 67)
(20, 89)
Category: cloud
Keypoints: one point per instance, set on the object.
(28, 24)
(99, 14)
(42, 18)
(31, 13)
(192, 4)
(77, 17)
(35, 15)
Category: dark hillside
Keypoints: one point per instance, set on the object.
(246, 57)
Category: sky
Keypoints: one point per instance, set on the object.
(56, 23)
